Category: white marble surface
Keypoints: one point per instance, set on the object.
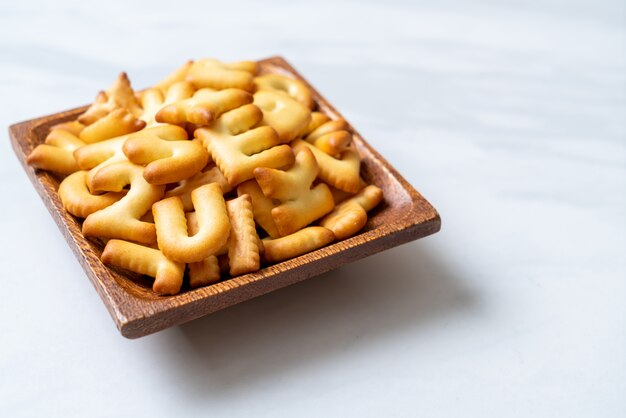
(508, 116)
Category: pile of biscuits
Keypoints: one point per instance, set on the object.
(211, 173)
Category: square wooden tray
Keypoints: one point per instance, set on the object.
(403, 216)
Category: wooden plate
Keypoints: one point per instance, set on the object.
(403, 216)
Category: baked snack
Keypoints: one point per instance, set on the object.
(122, 219)
(214, 172)
(213, 225)
(300, 203)
(237, 147)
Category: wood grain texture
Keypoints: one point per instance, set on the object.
(403, 216)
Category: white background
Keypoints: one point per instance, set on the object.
(508, 116)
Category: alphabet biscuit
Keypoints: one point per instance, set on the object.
(79, 201)
(121, 219)
(300, 204)
(154, 99)
(185, 187)
(243, 244)
(119, 95)
(57, 153)
(168, 274)
(171, 225)
(342, 173)
(296, 244)
(119, 122)
(220, 75)
(317, 120)
(238, 149)
(350, 216)
(293, 88)
(206, 271)
(169, 156)
(288, 117)
(74, 127)
(204, 107)
(332, 137)
(261, 206)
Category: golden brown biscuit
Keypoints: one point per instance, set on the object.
(119, 95)
(119, 122)
(345, 220)
(74, 127)
(171, 225)
(204, 107)
(332, 137)
(317, 120)
(296, 244)
(78, 200)
(291, 87)
(169, 158)
(288, 117)
(57, 154)
(206, 271)
(237, 149)
(369, 197)
(100, 154)
(185, 187)
(300, 204)
(341, 195)
(176, 76)
(168, 274)
(220, 75)
(243, 244)
(342, 173)
(153, 100)
(121, 219)
(95, 156)
(261, 206)
(350, 216)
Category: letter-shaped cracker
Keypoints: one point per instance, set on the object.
(169, 158)
(243, 244)
(185, 187)
(121, 219)
(78, 200)
(341, 195)
(237, 149)
(350, 216)
(206, 271)
(168, 274)
(119, 95)
(171, 225)
(293, 88)
(153, 100)
(174, 77)
(288, 117)
(95, 156)
(261, 206)
(332, 137)
(341, 173)
(300, 204)
(204, 107)
(296, 244)
(57, 153)
(119, 122)
(317, 120)
(74, 127)
(218, 75)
